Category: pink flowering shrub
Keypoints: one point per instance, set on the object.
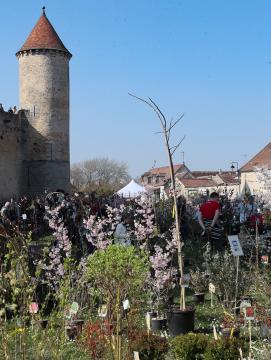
(144, 221)
(101, 229)
(60, 250)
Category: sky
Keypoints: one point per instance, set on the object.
(207, 59)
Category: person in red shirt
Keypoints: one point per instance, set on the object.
(208, 216)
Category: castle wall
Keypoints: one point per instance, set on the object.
(10, 156)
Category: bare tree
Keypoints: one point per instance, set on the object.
(167, 127)
(99, 172)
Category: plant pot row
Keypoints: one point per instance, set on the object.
(178, 322)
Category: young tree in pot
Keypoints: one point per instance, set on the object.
(117, 273)
(182, 319)
(161, 282)
(199, 283)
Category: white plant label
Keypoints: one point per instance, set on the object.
(24, 216)
(74, 308)
(126, 304)
(211, 288)
(102, 311)
(136, 355)
(148, 321)
(235, 245)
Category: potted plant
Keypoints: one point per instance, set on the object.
(180, 320)
(160, 283)
(117, 274)
(199, 283)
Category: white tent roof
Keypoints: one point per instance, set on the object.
(131, 190)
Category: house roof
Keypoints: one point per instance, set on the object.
(43, 36)
(262, 159)
(164, 170)
(198, 174)
(229, 178)
(196, 183)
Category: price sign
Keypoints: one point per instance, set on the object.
(235, 245)
(24, 216)
(249, 313)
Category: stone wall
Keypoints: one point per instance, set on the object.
(44, 94)
(10, 155)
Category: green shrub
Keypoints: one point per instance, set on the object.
(189, 347)
(149, 346)
(224, 349)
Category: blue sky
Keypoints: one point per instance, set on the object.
(210, 60)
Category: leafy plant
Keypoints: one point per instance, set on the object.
(199, 281)
(149, 346)
(189, 347)
(222, 271)
(224, 349)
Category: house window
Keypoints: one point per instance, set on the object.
(149, 180)
(157, 180)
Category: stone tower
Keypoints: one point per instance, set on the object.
(44, 97)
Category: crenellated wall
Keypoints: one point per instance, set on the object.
(10, 155)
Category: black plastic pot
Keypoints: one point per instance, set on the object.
(181, 322)
(78, 324)
(199, 298)
(71, 332)
(158, 324)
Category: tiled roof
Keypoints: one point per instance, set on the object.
(198, 174)
(229, 178)
(43, 36)
(262, 159)
(194, 183)
(165, 170)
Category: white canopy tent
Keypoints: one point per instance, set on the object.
(132, 190)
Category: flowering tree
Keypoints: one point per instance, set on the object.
(161, 265)
(101, 229)
(144, 221)
(264, 178)
(61, 249)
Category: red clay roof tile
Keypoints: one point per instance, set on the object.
(43, 36)
(262, 159)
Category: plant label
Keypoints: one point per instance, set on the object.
(102, 311)
(126, 304)
(74, 308)
(211, 288)
(249, 313)
(148, 321)
(33, 308)
(136, 355)
(235, 245)
(24, 216)
(264, 259)
(245, 304)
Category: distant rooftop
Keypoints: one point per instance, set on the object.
(262, 159)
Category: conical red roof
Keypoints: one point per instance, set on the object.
(43, 36)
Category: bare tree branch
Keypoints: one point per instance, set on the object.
(177, 146)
